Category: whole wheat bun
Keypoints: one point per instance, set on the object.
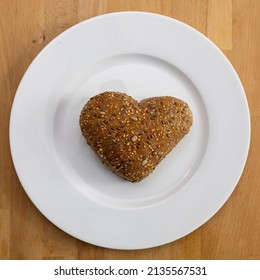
(132, 137)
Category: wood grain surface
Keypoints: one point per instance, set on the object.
(27, 26)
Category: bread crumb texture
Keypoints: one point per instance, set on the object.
(132, 137)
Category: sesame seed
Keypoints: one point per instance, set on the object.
(134, 138)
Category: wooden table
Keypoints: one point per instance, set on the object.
(25, 29)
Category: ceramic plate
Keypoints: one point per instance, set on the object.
(143, 55)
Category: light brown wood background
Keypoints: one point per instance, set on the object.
(27, 26)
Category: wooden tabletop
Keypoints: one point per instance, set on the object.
(25, 29)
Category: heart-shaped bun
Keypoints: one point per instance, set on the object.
(132, 137)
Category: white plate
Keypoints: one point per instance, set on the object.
(144, 55)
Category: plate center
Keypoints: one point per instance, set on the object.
(140, 76)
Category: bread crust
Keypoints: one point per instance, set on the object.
(132, 137)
